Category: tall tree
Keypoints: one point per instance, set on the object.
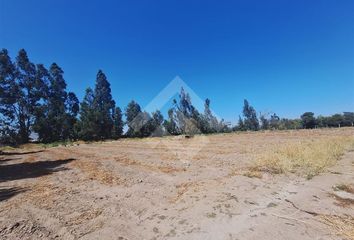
(133, 113)
(211, 123)
(251, 121)
(170, 124)
(72, 109)
(20, 95)
(186, 115)
(9, 107)
(41, 126)
(56, 115)
(56, 105)
(28, 94)
(157, 121)
(117, 123)
(86, 126)
(104, 106)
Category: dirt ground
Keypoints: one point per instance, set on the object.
(172, 188)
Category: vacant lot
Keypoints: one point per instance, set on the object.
(265, 185)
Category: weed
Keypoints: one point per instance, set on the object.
(306, 158)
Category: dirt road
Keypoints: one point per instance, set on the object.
(172, 188)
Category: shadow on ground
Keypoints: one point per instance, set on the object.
(31, 169)
(4, 160)
(6, 193)
(19, 153)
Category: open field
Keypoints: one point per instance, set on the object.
(264, 185)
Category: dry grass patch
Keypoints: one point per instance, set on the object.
(253, 173)
(96, 171)
(343, 225)
(182, 189)
(306, 158)
(349, 188)
(342, 201)
(155, 168)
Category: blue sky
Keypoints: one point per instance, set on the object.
(283, 56)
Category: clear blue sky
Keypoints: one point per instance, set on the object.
(283, 56)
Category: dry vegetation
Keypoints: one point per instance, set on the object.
(306, 158)
(343, 225)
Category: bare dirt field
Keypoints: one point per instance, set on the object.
(264, 185)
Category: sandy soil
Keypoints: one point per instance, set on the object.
(171, 188)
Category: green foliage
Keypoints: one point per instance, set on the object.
(240, 124)
(20, 95)
(250, 117)
(264, 122)
(157, 124)
(117, 123)
(134, 118)
(8, 114)
(170, 124)
(308, 120)
(210, 123)
(348, 119)
(56, 115)
(99, 119)
(103, 105)
(337, 120)
(290, 124)
(274, 121)
(86, 127)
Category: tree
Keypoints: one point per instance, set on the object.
(28, 94)
(8, 97)
(41, 126)
(104, 106)
(144, 124)
(56, 113)
(86, 127)
(210, 123)
(240, 124)
(322, 121)
(264, 121)
(348, 119)
(170, 124)
(335, 120)
(274, 121)
(20, 95)
(117, 123)
(132, 112)
(308, 120)
(186, 117)
(56, 128)
(72, 109)
(157, 120)
(251, 121)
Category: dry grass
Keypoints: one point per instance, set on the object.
(341, 201)
(343, 225)
(349, 188)
(253, 173)
(155, 168)
(84, 217)
(306, 158)
(95, 171)
(182, 189)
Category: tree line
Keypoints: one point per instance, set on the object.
(34, 100)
